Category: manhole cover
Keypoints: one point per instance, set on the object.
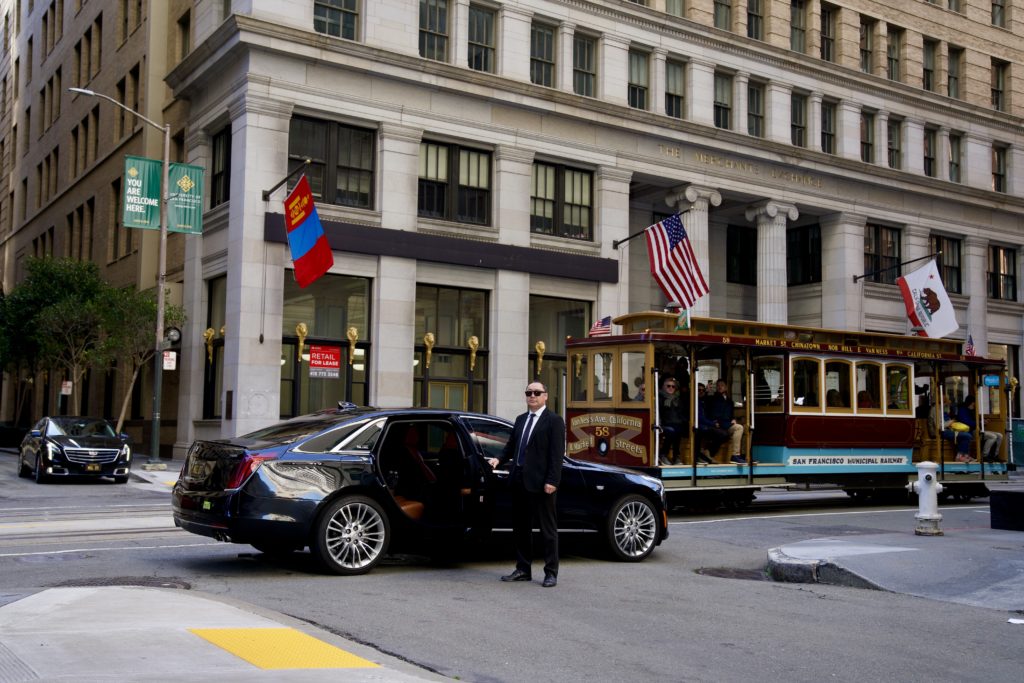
(140, 581)
(733, 573)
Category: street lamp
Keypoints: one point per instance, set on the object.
(154, 462)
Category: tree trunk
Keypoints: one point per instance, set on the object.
(127, 398)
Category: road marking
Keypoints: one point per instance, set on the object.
(281, 648)
(805, 514)
(100, 550)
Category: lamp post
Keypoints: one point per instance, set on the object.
(154, 462)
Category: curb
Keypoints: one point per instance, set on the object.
(782, 567)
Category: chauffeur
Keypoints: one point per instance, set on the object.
(535, 451)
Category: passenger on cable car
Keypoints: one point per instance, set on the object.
(673, 421)
(958, 427)
(833, 399)
(864, 399)
(720, 425)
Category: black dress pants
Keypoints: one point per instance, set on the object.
(527, 507)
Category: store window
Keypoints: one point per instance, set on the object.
(450, 364)
(213, 336)
(552, 320)
(325, 344)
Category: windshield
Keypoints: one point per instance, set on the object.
(79, 426)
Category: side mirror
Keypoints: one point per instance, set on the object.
(124, 436)
(35, 433)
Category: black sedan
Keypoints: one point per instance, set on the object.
(353, 483)
(74, 446)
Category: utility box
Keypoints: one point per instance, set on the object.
(1007, 509)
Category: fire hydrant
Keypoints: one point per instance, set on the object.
(927, 488)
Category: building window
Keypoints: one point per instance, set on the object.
(336, 17)
(213, 372)
(542, 55)
(637, 79)
(999, 70)
(454, 183)
(867, 137)
(561, 201)
(675, 89)
(220, 167)
(755, 19)
(867, 44)
(342, 168)
(895, 144)
(803, 255)
(956, 62)
(955, 144)
(893, 52)
(999, 13)
(948, 261)
(998, 168)
(930, 141)
(481, 38)
(798, 120)
(928, 65)
(955, 5)
(1002, 273)
(755, 109)
(434, 29)
(828, 33)
(881, 253)
(584, 65)
(723, 14)
(741, 255)
(184, 35)
(674, 7)
(798, 25)
(828, 127)
(723, 101)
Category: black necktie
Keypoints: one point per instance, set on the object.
(523, 439)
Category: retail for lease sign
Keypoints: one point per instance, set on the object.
(324, 361)
(141, 195)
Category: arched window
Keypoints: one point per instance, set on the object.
(868, 378)
(838, 386)
(806, 385)
(897, 389)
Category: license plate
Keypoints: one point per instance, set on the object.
(207, 505)
(92, 467)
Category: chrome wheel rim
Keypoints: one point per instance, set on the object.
(355, 535)
(635, 528)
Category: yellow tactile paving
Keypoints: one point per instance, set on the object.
(281, 648)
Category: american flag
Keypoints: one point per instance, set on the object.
(969, 346)
(601, 328)
(673, 263)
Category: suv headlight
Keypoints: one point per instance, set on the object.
(126, 452)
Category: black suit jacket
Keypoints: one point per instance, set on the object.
(542, 461)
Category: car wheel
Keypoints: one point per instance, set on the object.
(351, 536)
(632, 529)
(40, 475)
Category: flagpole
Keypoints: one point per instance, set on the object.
(857, 278)
(616, 243)
(267, 193)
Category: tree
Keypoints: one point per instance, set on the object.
(128, 340)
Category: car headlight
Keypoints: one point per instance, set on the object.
(52, 450)
(126, 452)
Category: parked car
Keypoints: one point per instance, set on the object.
(353, 483)
(74, 446)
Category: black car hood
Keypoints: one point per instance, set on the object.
(86, 441)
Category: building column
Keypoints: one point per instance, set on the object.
(814, 121)
(700, 92)
(399, 180)
(611, 223)
(513, 174)
(913, 145)
(613, 72)
(916, 244)
(977, 161)
(1015, 170)
(740, 98)
(693, 202)
(564, 48)
(772, 295)
(459, 55)
(658, 58)
(509, 340)
(779, 110)
(942, 154)
(882, 138)
(849, 130)
(394, 326)
(976, 269)
(514, 43)
(842, 259)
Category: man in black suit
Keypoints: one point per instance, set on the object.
(535, 456)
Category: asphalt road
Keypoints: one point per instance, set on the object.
(697, 610)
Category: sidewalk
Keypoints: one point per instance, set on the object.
(970, 563)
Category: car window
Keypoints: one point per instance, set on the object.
(294, 429)
(360, 436)
(53, 429)
(490, 436)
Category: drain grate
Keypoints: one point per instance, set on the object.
(733, 573)
(138, 581)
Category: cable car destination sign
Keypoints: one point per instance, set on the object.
(140, 195)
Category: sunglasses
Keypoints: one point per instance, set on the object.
(534, 393)
(670, 386)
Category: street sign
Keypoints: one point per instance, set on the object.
(324, 361)
(991, 380)
(65, 387)
(170, 360)
(141, 195)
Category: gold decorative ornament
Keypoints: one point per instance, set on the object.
(208, 335)
(222, 328)
(428, 341)
(1013, 384)
(302, 332)
(540, 348)
(579, 364)
(353, 336)
(473, 343)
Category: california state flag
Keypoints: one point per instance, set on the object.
(928, 305)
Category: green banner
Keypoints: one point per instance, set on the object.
(141, 195)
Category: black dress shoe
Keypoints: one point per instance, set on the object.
(550, 581)
(517, 575)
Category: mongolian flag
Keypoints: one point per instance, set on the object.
(311, 253)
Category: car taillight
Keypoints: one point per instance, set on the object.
(250, 463)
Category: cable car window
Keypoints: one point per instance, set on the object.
(579, 377)
(768, 385)
(806, 385)
(634, 384)
(897, 385)
(869, 387)
(603, 377)
(838, 386)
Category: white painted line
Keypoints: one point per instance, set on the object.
(98, 550)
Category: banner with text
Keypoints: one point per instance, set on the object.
(141, 195)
